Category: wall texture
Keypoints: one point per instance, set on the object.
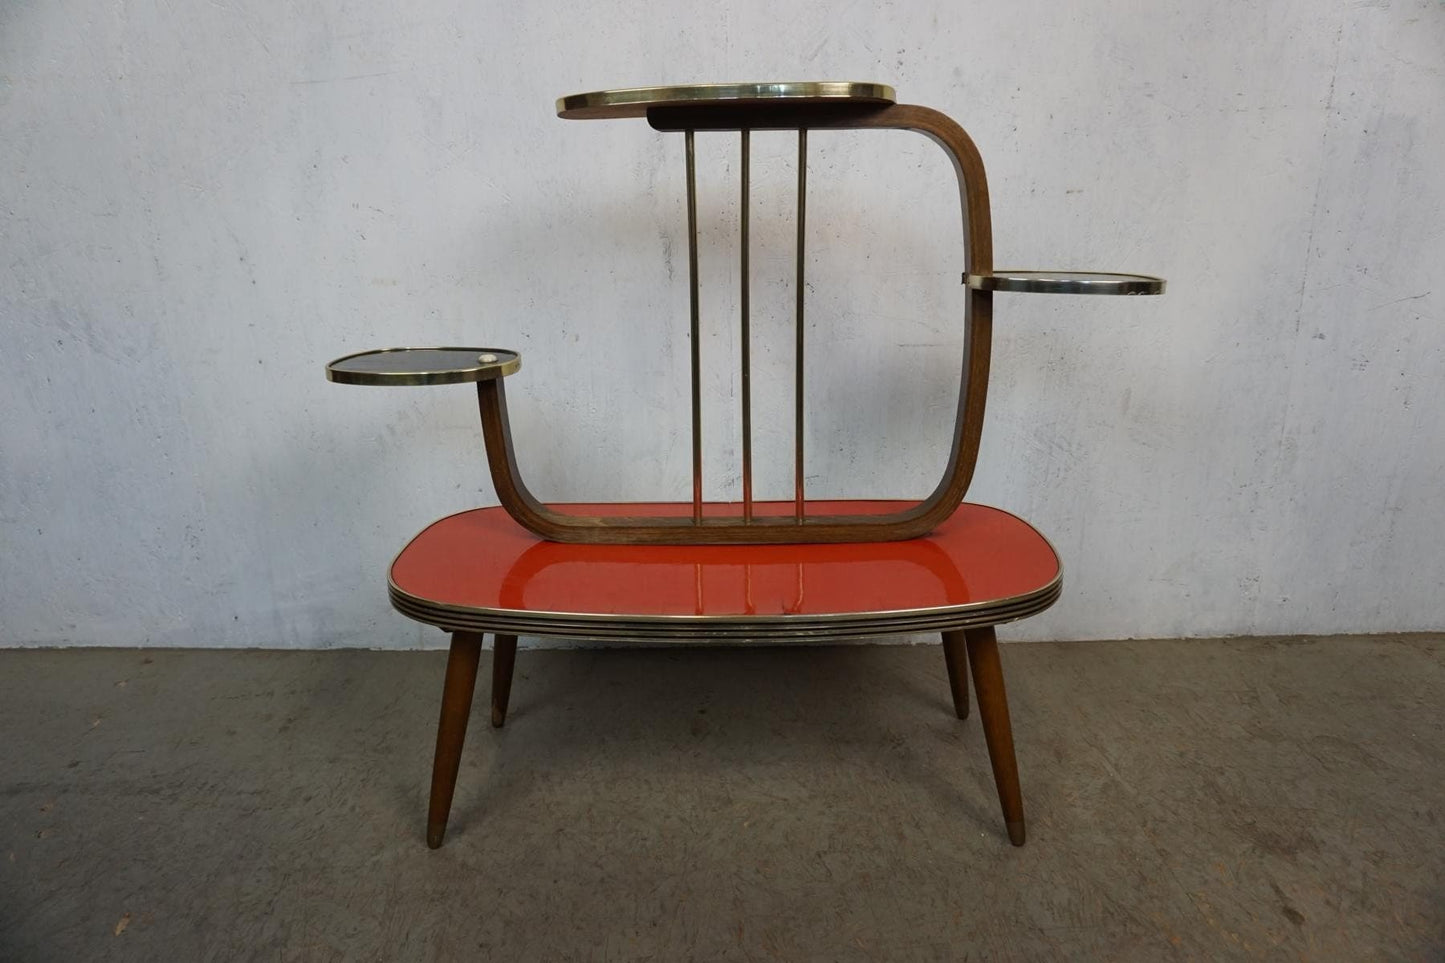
(200, 204)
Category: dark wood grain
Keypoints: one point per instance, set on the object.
(504, 659)
(997, 731)
(955, 657)
(457, 692)
(973, 387)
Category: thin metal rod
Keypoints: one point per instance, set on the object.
(695, 334)
(747, 388)
(798, 314)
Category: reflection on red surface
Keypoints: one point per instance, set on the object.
(483, 559)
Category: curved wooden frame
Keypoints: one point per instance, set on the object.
(918, 520)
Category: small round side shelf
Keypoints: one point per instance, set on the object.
(1065, 282)
(423, 366)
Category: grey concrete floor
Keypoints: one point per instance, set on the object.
(1264, 799)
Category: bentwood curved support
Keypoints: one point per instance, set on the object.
(751, 528)
(745, 108)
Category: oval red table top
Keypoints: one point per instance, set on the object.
(481, 561)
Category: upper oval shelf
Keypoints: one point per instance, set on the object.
(635, 101)
(1065, 282)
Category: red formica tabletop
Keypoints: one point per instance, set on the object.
(480, 570)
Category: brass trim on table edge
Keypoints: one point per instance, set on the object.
(441, 376)
(1079, 282)
(739, 627)
(635, 101)
(684, 628)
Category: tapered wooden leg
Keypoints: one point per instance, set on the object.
(955, 655)
(457, 691)
(997, 732)
(504, 658)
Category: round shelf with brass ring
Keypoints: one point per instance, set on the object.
(1065, 282)
(635, 101)
(423, 366)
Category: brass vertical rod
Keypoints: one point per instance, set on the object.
(798, 314)
(695, 333)
(747, 388)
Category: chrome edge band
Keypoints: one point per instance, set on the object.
(684, 628)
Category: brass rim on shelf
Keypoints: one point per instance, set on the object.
(1066, 282)
(635, 101)
(472, 364)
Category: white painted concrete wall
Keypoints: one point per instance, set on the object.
(202, 203)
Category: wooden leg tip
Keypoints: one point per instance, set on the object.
(1016, 833)
(434, 836)
(499, 717)
(961, 712)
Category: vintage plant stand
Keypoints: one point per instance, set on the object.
(797, 570)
